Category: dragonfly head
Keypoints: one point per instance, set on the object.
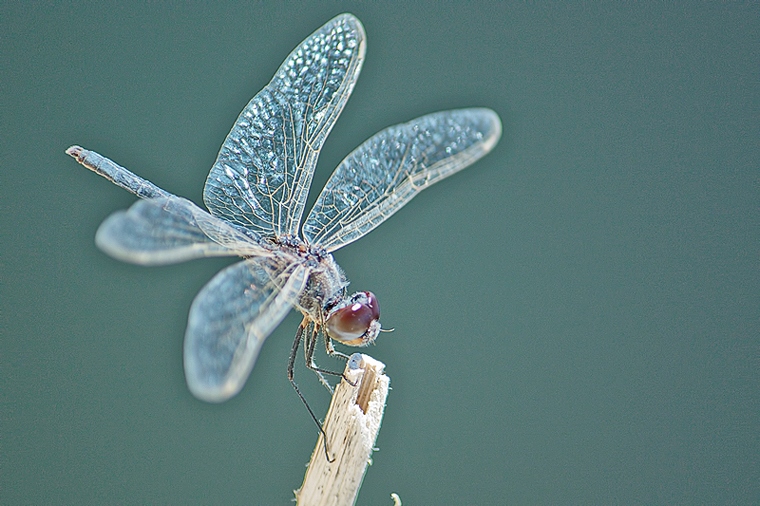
(355, 321)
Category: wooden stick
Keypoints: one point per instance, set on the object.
(352, 423)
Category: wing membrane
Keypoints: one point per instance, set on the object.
(229, 320)
(167, 230)
(262, 174)
(390, 168)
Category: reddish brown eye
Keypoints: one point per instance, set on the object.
(356, 322)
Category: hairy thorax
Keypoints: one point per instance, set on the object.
(326, 285)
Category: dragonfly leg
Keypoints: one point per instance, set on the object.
(318, 370)
(291, 377)
(310, 345)
(335, 353)
(330, 349)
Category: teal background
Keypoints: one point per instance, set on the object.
(577, 316)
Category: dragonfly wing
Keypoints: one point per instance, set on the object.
(230, 319)
(261, 177)
(394, 165)
(167, 230)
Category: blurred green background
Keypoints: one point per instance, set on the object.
(577, 316)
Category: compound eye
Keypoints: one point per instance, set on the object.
(355, 323)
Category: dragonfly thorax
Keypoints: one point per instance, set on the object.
(351, 320)
(302, 248)
(326, 284)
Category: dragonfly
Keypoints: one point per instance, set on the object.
(255, 194)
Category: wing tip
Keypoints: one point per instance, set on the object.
(204, 388)
(485, 121)
(211, 394)
(346, 18)
(493, 133)
(353, 23)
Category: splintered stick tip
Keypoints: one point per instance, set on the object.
(351, 426)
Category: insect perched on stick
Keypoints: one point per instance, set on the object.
(255, 195)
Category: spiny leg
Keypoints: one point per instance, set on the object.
(309, 346)
(330, 351)
(291, 362)
(335, 353)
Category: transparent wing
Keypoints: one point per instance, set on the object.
(394, 165)
(262, 174)
(230, 319)
(167, 230)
